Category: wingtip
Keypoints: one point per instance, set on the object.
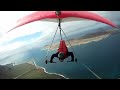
(10, 30)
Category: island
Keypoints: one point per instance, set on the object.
(92, 37)
(26, 71)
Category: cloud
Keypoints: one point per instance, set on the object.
(11, 46)
(9, 18)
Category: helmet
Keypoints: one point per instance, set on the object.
(61, 55)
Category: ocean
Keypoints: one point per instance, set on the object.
(102, 57)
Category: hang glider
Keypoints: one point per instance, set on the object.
(65, 16)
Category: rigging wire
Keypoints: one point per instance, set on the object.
(68, 40)
(91, 71)
(59, 26)
(51, 43)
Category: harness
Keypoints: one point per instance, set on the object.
(63, 48)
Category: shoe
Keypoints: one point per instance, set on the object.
(51, 61)
(72, 60)
(46, 61)
(76, 60)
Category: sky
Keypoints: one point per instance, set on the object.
(23, 35)
(35, 31)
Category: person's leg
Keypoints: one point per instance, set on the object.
(70, 54)
(54, 55)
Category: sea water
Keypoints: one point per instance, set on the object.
(102, 57)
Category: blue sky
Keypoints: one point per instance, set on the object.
(26, 38)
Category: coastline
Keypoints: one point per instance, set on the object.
(26, 70)
(53, 73)
(39, 67)
(74, 43)
(78, 41)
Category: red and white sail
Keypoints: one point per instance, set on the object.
(65, 16)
